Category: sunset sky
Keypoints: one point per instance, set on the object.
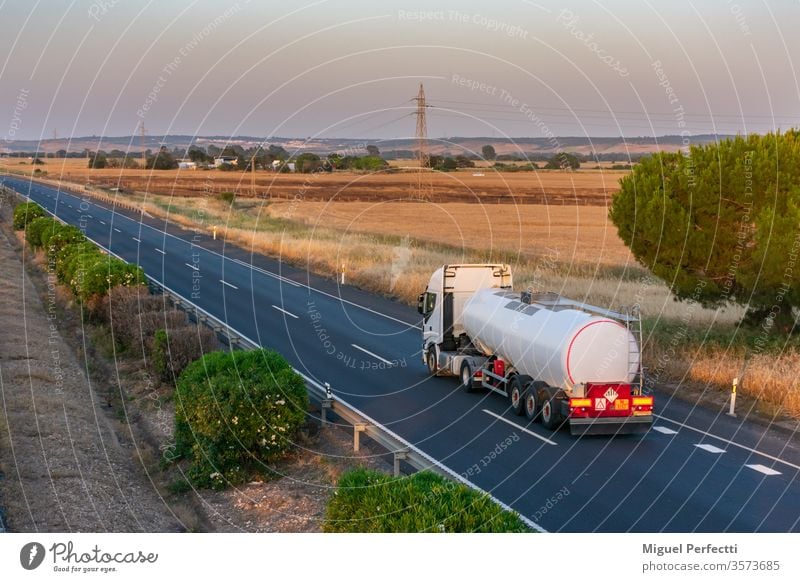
(346, 68)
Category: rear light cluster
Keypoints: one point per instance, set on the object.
(580, 406)
(642, 404)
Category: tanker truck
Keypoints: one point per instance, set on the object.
(557, 360)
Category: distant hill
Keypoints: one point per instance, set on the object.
(390, 147)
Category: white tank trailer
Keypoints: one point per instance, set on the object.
(556, 360)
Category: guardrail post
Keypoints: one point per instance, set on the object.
(326, 405)
(400, 455)
(358, 428)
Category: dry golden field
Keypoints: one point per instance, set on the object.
(569, 234)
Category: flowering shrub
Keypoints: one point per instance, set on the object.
(61, 236)
(26, 212)
(373, 502)
(37, 229)
(235, 413)
(107, 272)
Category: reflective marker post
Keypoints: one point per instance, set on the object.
(733, 397)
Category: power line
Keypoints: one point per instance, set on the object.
(502, 108)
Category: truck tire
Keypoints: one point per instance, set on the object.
(467, 382)
(532, 400)
(516, 394)
(433, 366)
(551, 416)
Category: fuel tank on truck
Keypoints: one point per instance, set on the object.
(560, 346)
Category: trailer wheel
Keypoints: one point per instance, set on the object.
(551, 417)
(531, 404)
(516, 394)
(467, 383)
(433, 366)
(533, 400)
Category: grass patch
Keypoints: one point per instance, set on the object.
(372, 502)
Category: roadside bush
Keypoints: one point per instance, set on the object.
(125, 302)
(135, 328)
(373, 502)
(76, 262)
(61, 236)
(108, 272)
(236, 411)
(175, 349)
(36, 229)
(226, 196)
(26, 212)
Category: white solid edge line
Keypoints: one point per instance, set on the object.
(376, 356)
(224, 282)
(284, 311)
(162, 232)
(522, 428)
(455, 476)
(730, 442)
(265, 272)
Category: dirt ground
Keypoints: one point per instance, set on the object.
(66, 466)
(583, 187)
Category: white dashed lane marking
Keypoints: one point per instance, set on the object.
(376, 356)
(522, 428)
(664, 430)
(284, 311)
(710, 448)
(763, 469)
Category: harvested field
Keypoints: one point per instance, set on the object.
(553, 187)
(574, 234)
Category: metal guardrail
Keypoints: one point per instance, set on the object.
(401, 449)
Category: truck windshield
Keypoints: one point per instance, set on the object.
(430, 303)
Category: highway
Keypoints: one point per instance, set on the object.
(697, 470)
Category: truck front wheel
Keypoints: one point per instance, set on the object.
(433, 365)
(467, 382)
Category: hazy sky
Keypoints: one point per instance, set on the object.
(347, 68)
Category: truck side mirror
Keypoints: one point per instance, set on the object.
(421, 303)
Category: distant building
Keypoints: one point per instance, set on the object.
(232, 160)
(277, 164)
(187, 165)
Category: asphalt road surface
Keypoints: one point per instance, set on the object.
(696, 470)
